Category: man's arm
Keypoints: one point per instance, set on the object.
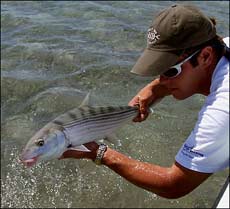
(147, 96)
(169, 182)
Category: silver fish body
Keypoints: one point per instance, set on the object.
(73, 129)
(94, 122)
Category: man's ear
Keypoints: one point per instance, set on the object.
(206, 57)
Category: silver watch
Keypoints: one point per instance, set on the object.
(100, 153)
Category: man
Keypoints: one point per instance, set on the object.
(184, 49)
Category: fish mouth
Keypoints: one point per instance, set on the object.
(29, 162)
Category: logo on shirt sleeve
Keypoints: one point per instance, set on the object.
(191, 152)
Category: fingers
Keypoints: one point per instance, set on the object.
(143, 110)
(92, 145)
(134, 101)
(72, 154)
(141, 117)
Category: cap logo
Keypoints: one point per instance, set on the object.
(153, 36)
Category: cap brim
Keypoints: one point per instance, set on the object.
(152, 63)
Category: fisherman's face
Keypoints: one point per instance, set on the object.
(187, 83)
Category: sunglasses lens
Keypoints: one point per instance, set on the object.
(171, 72)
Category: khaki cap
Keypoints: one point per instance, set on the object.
(176, 28)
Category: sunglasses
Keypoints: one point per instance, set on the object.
(176, 69)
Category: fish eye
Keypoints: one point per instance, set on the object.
(40, 142)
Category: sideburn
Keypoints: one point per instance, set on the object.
(193, 60)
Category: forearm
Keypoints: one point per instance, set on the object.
(172, 182)
(169, 182)
(148, 176)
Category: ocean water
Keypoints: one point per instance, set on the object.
(52, 54)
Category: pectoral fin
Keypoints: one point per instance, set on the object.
(81, 148)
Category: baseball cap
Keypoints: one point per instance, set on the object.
(174, 29)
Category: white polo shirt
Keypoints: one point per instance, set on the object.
(207, 147)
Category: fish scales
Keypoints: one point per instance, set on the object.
(92, 128)
(102, 123)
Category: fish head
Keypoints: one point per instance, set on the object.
(46, 144)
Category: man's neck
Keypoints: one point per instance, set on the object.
(207, 80)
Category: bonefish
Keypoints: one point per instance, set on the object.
(73, 129)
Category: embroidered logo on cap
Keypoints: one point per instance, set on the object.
(153, 37)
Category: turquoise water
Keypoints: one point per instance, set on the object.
(52, 54)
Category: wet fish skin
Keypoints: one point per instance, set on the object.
(48, 143)
(73, 129)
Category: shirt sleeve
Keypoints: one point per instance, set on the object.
(207, 147)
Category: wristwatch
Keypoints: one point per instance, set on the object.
(100, 153)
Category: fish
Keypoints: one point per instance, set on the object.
(74, 128)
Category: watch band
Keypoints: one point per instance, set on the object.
(100, 153)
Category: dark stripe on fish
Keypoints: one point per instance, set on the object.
(95, 122)
(58, 122)
(88, 113)
(92, 112)
(82, 112)
(72, 115)
(100, 115)
(103, 117)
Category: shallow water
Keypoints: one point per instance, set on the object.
(52, 54)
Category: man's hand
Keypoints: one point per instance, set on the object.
(143, 99)
(71, 153)
(147, 96)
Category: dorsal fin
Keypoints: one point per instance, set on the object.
(85, 102)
